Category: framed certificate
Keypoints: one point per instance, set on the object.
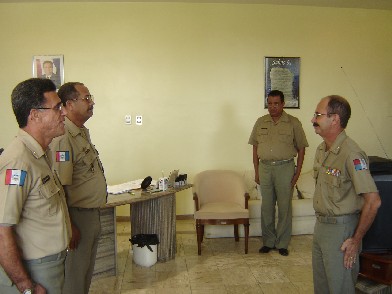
(282, 73)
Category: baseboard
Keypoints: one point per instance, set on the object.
(178, 217)
(184, 217)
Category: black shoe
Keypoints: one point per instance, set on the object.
(265, 249)
(283, 251)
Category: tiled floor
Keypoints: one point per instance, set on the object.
(222, 268)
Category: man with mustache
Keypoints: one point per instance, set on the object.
(34, 223)
(346, 200)
(81, 173)
(277, 138)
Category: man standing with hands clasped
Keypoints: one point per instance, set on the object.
(277, 138)
(346, 200)
(80, 170)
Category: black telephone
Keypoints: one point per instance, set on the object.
(146, 182)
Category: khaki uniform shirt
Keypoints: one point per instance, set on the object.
(280, 140)
(341, 175)
(76, 161)
(32, 199)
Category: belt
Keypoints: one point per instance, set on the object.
(341, 219)
(54, 257)
(84, 209)
(276, 162)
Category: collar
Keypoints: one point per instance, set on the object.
(31, 143)
(336, 146)
(73, 129)
(283, 118)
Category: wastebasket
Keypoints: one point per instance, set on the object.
(144, 248)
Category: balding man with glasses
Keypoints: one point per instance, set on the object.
(77, 163)
(346, 200)
(34, 223)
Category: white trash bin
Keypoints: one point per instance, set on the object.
(143, 256)
(144, 247)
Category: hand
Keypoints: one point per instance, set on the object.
(73, 244)
(350, 249)
(294, 180)
(38, 289)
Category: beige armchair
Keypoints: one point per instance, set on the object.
(220, 199)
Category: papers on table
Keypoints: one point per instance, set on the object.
(127, 186)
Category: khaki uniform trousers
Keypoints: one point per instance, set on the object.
(329, 274)
(47, 271)
(79, 264)
(275, 185)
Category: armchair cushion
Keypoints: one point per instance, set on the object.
(221, 210)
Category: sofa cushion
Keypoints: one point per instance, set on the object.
(306, 185)
(250, 185)
(301, 207)
(253, 189)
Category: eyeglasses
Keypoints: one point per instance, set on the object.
(58, 107)
(88, 98)
(317, 115)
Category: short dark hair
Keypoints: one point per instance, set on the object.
(275, 93)
(340, 106)
(28, 95)
(47, 61)
(69, 92)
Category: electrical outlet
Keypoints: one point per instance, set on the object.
(128, 119)
(139, 120)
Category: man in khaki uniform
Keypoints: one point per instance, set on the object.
(345, 200)
(80, 170)
(34, 222)
(277, 138)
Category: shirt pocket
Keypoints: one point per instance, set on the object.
(262, 135)
(49, 191)
(333, 185)
(89, 159)
(285, 136)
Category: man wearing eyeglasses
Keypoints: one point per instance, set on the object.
(76, 161)
(346, 199)
(34, 223)
(277, 138)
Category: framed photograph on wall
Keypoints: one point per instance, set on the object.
(49, 67)
(282, 73)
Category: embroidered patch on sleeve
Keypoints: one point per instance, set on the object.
(360, 164)
(15, 177)
(62, 156)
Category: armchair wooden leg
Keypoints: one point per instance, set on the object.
(199, 233)
(246, 229)
(236, 236)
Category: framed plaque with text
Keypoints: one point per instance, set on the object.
(282, 73)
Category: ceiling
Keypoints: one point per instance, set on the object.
(366, 4)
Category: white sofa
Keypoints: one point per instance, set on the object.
(303, 213)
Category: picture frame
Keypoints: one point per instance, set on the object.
(49, 67)
(283, 73)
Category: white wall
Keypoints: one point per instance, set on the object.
(196, 74)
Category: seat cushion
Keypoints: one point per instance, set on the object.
(221, 210)
(301, 207)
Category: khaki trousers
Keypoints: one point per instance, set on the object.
(79, 264)
(329, 274)
(275, 185)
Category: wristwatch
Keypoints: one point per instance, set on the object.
(28, 291)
